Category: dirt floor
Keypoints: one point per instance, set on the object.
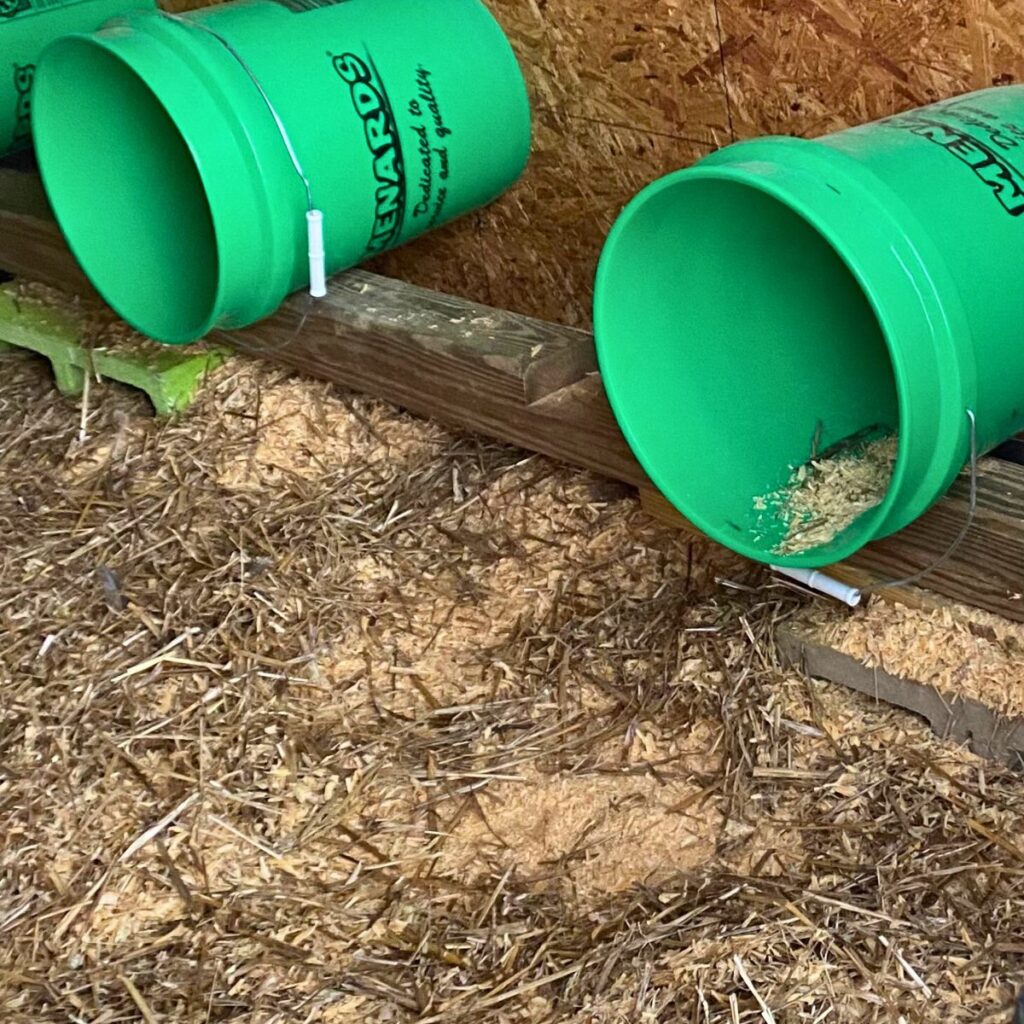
(314, 712)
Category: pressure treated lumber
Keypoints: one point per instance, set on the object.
(533, 384)
(518, 380)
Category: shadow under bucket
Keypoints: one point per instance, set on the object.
(792, 333)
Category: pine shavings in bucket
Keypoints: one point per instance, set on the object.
(827, 495)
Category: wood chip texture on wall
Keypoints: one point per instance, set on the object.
(627, 90)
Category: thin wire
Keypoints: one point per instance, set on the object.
(961, 537)
(266, 99)
(725, 73)
(238, 340)
(292, 155)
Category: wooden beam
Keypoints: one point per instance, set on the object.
(533, 384)
(387, 327)
(31, 244)
(520, 380)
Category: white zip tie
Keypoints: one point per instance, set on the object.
(818, 581)
(317, 258)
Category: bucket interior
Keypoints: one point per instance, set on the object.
(126, 191)
(736, 344)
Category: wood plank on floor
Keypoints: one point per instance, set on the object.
(962, 720)
(31, 244)
(533, 384)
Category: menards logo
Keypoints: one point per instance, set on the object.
(23, 75)
(371, 103)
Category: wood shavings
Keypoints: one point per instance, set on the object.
(598, 832)
(296, 430)
(826, 496)
(961, 651)
(312, 692)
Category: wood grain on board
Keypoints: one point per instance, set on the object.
(520, 380)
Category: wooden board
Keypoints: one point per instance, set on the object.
(30, 241)
(534, 384)
(987, 733)
(516, 379)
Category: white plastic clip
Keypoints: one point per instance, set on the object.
(317, 257)
(823, 584)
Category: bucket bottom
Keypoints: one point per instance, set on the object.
(737, 345)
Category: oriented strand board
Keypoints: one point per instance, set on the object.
(626, 90)
(622, 93)
(806, 67)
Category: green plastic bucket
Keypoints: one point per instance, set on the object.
(26, 27)
(785, 295)
(182, 155)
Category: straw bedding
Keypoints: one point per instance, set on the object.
(826, 495)
(314, 712)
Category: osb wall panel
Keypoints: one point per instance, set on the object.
(806, 67)
(627, 90)
(621, 92)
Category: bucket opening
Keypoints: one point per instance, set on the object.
(737, 346)
(127, 191)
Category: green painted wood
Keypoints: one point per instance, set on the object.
(170, 377)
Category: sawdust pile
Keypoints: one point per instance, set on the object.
(313, 712)
(829, 494)
(599, 833)
(292, 429)
(960, 650)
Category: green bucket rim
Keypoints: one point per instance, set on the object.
(793, 173)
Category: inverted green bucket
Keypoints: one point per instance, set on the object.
(181, 154)
(26, 28)
(784, 295)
